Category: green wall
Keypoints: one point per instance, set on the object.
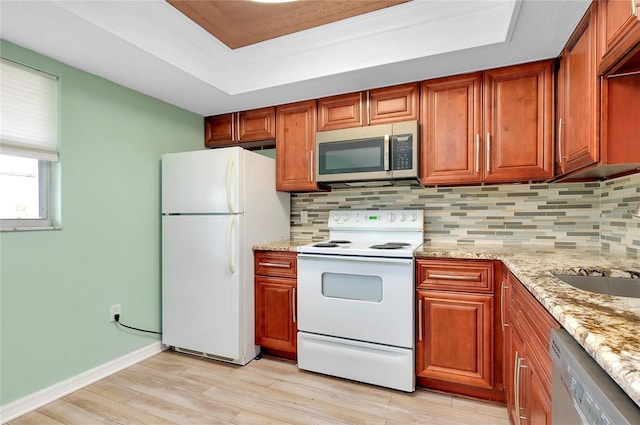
(56, 286)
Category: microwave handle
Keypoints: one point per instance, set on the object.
(386, 152)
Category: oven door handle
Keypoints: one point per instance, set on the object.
(377, 260)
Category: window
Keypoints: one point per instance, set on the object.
(28, 145)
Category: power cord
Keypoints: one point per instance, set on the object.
(117, 319)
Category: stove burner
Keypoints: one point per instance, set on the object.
(389, 245)
(326, 245)
(339, 241)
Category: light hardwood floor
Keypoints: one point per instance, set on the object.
(174, 388)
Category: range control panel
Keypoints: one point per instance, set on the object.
(402, 220)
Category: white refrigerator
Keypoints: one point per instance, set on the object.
(216, 204)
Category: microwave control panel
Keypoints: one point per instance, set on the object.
(402, 152)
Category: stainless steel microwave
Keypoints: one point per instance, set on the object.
(368, 156)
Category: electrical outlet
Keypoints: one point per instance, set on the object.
(115, 309)
(304, 216)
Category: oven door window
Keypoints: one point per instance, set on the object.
(357, 156)
(352, 287)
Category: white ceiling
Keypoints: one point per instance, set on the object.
(151, 47)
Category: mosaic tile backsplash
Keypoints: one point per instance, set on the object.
(557, 215)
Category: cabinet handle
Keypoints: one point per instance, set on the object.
(452, 277)
(516, 385)
(293, 304)
(502, 288)
(477, 152)
(419, 320)
(386, 152)
(311, 165)
(488, 153)
(368, 108)
(560, 140)
(238, 126)
(361, 110)
(282, 265)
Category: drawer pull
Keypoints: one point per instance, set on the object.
(284, 266)
(452, 277)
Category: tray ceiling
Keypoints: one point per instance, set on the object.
(152, 47)
(241, 23)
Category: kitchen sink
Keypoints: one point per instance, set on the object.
(618, 286)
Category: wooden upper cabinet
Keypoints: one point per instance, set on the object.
(295, 145)
(257, 125)
(494, 126)
(577, 128)
(450, 131)
(378, 106)
(518, 123)
(394, 104)
(219, 130)
(342, 111)
(240, 127)
(619, 21)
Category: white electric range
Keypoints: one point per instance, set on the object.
(356, 298)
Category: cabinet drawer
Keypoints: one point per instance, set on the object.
(275, 263)
(456, 276)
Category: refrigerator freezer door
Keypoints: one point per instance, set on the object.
(203, 181)
(201, 285)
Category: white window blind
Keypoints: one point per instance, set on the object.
(29, 116)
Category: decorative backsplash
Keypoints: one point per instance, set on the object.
(559, 215)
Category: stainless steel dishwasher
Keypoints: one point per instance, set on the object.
(582, 392)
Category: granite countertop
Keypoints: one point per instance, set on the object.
(608, 327)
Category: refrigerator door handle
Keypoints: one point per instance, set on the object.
(230, 264)
(229, 185)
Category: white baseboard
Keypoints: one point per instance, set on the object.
(47, 395)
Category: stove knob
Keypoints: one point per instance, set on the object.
(414, 217)
(345, 217)
(336, 217)
(403, 217)
(391, 217)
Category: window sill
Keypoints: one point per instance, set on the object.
(29, 229)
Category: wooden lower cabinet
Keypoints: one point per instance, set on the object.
(528, 365)
(456, 339)
(457, 347)
(275, 303)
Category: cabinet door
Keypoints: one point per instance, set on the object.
(578, 132)
(518, 117)
(393, 104)
(451, 127)
(457, 345)
(538, 409)
(275, 310)
(219, 130)
(257, 125)
(342, 111)
(619, 17)
(295, 145)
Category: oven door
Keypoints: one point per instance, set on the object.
(360, 298)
